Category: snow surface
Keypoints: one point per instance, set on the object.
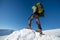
(27, 34)
(3, 37)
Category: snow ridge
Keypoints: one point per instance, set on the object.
(27, 34)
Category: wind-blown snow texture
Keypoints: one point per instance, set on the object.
(27, 34)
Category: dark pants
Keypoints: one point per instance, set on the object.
(37, 21)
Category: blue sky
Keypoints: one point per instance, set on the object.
(14, 14)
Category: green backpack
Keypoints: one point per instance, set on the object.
(40, 11)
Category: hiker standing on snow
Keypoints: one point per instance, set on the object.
(38, 11)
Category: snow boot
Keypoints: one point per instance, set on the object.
(40, 31)
(29, 27)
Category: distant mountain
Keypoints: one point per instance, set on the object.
(4, 32)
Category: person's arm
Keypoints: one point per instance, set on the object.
(34, 9)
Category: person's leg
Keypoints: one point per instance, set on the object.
(29, 21)
(38, 23)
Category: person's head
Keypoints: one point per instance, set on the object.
(38, 4)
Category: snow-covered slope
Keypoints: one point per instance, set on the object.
(27, 34)
(3, 37)
(55, 32)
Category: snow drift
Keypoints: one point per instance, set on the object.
(27, 34)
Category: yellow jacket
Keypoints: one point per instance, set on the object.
(34, 8)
